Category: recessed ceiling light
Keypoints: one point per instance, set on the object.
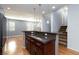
(43, 12)
(66, 8)
(8, 8)
(47, 21)
(53, 7)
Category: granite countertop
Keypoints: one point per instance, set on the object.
(41, 32)
(43, 39)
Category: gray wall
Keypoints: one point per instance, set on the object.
(63, 13)
(46, 27)
(1, 11)
(19, 27)
(57, 18)
(73, 27)
(55, 22)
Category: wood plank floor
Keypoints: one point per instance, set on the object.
(65, 51)
(20, 48)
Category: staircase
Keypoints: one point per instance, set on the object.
(63, 36)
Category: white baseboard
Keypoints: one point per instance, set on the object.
(73, 49)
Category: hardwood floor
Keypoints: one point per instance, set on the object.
(65, 51)
(20, 48)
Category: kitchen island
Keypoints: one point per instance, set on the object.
(40, 43)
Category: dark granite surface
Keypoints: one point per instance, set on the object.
(43, 37)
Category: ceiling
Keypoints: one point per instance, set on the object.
(27, 10)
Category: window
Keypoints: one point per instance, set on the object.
(11, 26)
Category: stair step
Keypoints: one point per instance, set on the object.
(63, 29)
(63, 43)
(64, 40)
(64, 26)
(62, 37)
(63, 34)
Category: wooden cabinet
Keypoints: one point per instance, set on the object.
(36, 47)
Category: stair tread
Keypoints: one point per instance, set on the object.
(62, 28)
(62, 33)
(64, 43)
(63, 40)
(62, 37)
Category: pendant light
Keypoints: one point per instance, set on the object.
(39, 11)
(34, 19)
(39, 25)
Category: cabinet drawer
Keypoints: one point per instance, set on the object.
(38, 44)
(31, 40)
